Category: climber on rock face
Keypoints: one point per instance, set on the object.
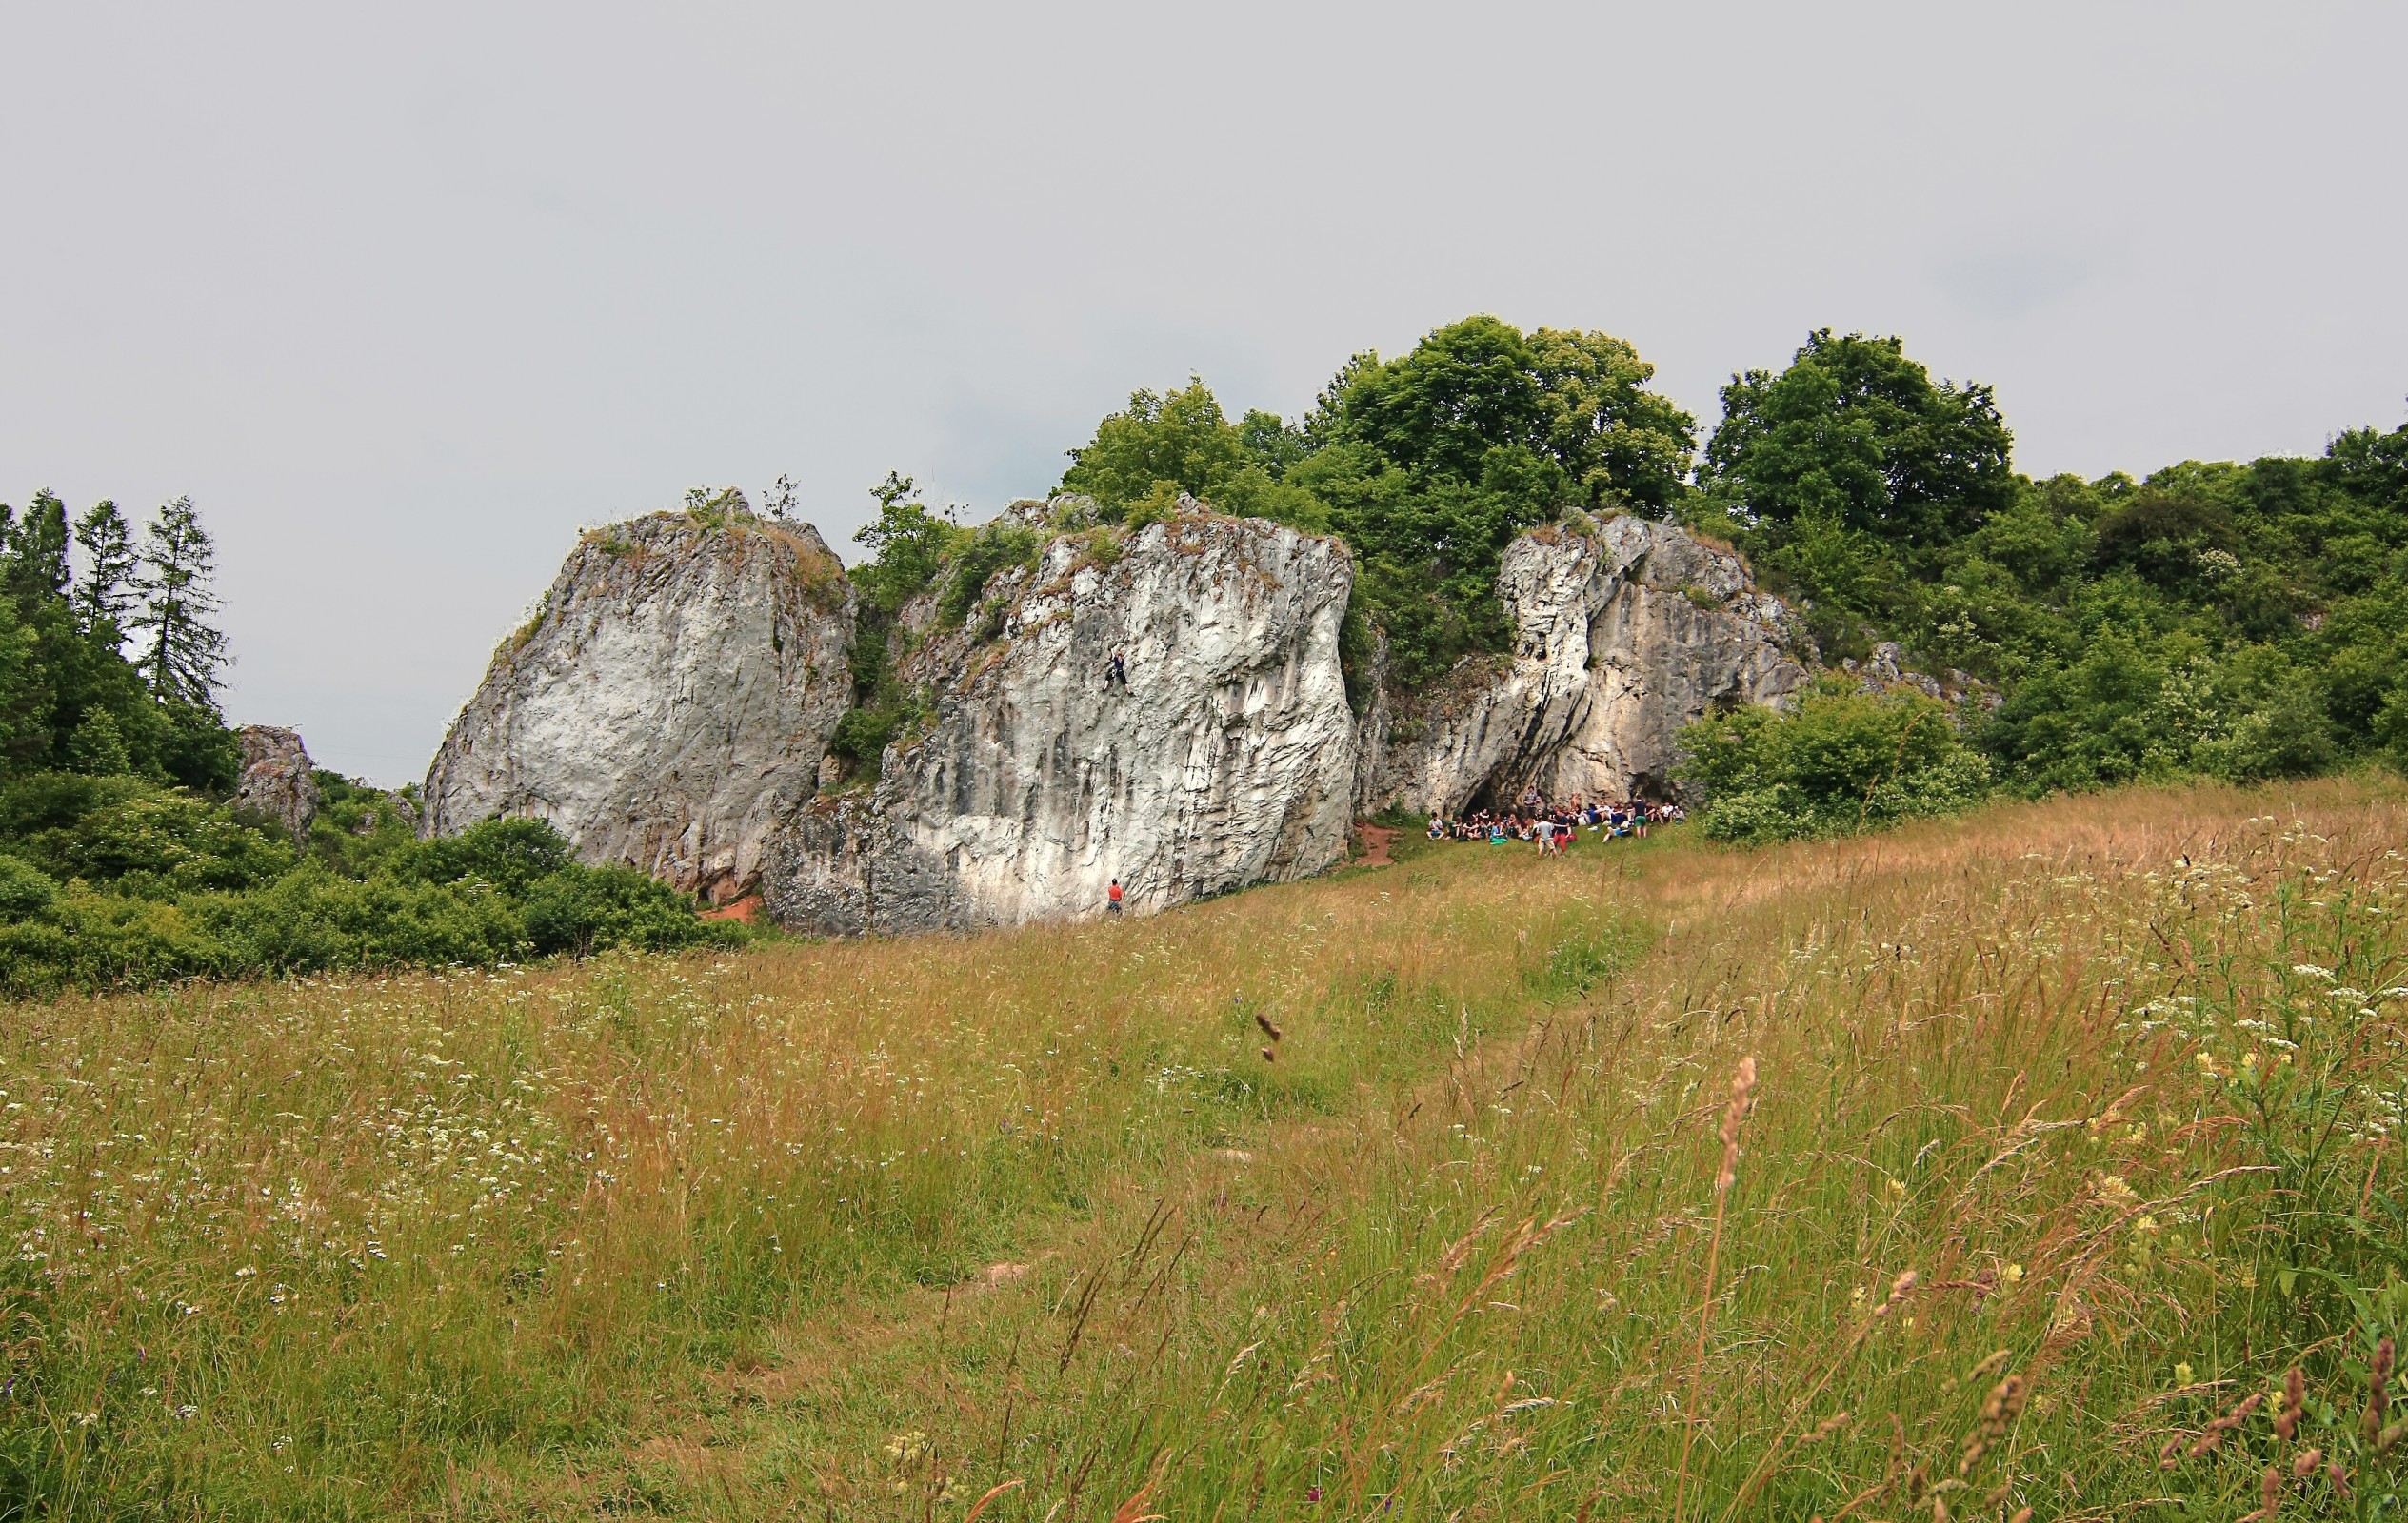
(1116, 672)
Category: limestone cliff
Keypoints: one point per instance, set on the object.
(278, 779)
(1625, 631)
(669, 702)
(1225, 758)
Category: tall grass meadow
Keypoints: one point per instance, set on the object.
(2043, 1163)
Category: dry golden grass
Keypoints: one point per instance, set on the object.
(868, 1229)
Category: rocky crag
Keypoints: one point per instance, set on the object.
(1625, 631)
(278, 780)
(669, 702)
(1220, 754)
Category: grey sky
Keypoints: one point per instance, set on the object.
(403, 295)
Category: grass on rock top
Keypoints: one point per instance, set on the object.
(868, 1230)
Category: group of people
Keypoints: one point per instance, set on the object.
(1553, 825)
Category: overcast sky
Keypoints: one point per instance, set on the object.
(403, 295)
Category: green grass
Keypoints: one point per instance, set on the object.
(867, 1230)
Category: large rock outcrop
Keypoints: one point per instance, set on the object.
(1226, 759)
(669, 702)
(1626, 631)
(278, 779)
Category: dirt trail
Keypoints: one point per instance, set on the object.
(1375, 840)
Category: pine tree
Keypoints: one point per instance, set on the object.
(112, 568)
(35, 626)
(183, 654)
(25, 688)
(36, 550)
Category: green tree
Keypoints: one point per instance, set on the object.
(98, 746)
(34, 546)
(1855, 433)
(1568, 410)
(25, 697)
(1431, 463)
(1178, 440)
(105, 593)
(907, 543)
(33, 564)
(184, 655)
(1615, 439)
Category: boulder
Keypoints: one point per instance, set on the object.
(670, 700)
(1225, 758)
(1625, 631)
(278, 780)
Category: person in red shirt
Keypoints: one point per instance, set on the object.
(1112, 897)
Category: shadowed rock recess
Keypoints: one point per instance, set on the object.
(671, 705)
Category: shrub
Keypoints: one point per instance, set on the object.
(25, 890)
(163, 886)
(153, 842)
(589, 910)
(511, 854)
(994, 547)
(1842, 760)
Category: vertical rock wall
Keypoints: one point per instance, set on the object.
(1226, 758)
(1626, 632)
(670, 702)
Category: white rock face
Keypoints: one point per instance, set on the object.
(671, 700)
(278, 780)
(1625, 634)
(1228, 758)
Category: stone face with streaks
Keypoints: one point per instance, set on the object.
(1220, 754)
(671, 706)
(278, 779)
(670, 702)
(1625, 631)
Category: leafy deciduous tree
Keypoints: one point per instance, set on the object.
(1856, 434)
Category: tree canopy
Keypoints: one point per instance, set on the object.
(70, 697)
(1856, 435)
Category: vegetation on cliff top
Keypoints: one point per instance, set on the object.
(1428, 466)
(2237, 622)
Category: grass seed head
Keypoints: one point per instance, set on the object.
(2295, 1396)
(2377, 1393)
(1742, 1083)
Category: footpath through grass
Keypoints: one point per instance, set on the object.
(2070, 1132)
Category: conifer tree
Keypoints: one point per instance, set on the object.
(182, 653)
(36, 550)
(106, 591)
